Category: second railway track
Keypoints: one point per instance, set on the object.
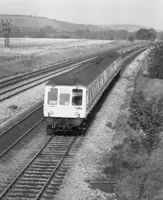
(12, 86)
(10, 90)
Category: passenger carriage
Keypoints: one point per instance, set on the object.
(69, 98)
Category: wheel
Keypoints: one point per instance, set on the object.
(49, 130)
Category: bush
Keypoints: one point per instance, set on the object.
(138, 176)
(131, 38)
(13, 106)
(155, 63)
(147, 115)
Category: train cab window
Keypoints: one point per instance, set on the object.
(77, 97)
(52, 96)
(64, 99)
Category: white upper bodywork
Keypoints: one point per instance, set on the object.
(90, 96)
(66, 110)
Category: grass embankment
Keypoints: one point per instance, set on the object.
(137, 161)
(26, 55)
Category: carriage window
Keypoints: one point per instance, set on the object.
(77, 97)
(64, 99)
(52, 96)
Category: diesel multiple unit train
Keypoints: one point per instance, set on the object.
(70, 97)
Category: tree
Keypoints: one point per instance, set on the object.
(145, 34)
(6, 26)
(121, 34)
(131, 38)
(41, 34)
(146, 115)
(112, 38)
(142, 34)
(151, 34)
(15, 32)
(47, 29)
(161, 37)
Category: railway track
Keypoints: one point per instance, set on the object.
(12, 80)
(130, 58)
(19, 130)
(43, 174)
(15, 87)
(12, 86)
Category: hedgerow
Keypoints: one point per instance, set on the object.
(146, 115)
(155, 63)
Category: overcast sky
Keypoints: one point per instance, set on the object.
(140, 12)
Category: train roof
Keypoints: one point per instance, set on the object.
(85, 73)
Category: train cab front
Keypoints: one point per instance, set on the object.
(64, 107)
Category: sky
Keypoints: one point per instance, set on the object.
(97, 12)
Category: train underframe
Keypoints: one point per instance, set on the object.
(55, 125)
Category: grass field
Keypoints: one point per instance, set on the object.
(28, 54)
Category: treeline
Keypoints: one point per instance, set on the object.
(50, 32)
(155, 63)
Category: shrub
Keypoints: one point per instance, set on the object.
(147, 115)
(13, 106)
(155, 63)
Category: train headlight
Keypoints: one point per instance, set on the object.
(50, 113)
(77, 114)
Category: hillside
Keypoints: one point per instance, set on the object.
(40, 22)
(24, 21)
(42, 27)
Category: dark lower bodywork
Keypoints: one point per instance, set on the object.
(63, 124)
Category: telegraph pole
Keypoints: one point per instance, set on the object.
(6, 29)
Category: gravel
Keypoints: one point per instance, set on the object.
(23, 102)
(98, 143)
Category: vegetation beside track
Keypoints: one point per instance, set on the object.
(136, 161)
(155, 63)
